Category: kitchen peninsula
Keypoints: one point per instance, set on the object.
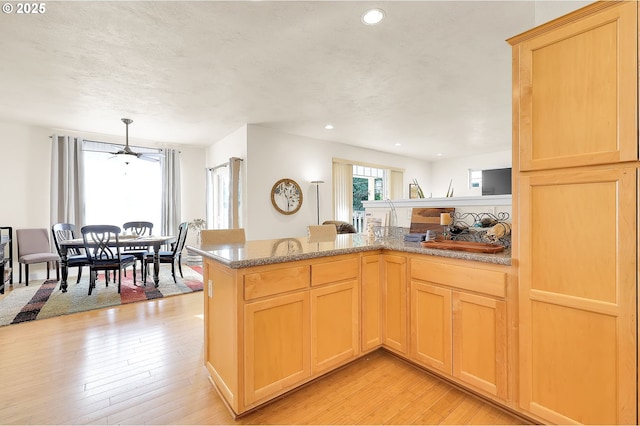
(280, 313)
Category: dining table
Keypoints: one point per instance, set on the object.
(124, 241)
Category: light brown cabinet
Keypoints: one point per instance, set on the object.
(480, 342)
(431, 324)
(578, 295)
(371, 300)
(394, 284)
(575, 170)
(335, 320)
(576, 89)
(272, 328)
(276, 342)
(459, 333)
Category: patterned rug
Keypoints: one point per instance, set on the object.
(46, 300)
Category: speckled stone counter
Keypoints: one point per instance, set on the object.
(265, 252)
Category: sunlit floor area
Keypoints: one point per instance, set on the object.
(143, 364)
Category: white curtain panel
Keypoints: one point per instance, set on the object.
(235, 199)
(396, 185)
(67, 191)
(342, 191)
(171, 200)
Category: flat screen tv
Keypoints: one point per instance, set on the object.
(496, 181)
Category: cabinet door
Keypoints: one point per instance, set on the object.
(577, 91)
(334, 325)
(480, 342)
(431, 326)
(395, 302)
(276, 344)
(371, 294)
(577, 272)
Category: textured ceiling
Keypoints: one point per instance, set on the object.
(434, 76)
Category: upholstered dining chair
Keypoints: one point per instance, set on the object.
(34, 247)
(138, 229)
(329, 231)
(67, 231)
(222, 236)
(173, 256)
(103, 252)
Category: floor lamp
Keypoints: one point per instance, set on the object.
(317, 183)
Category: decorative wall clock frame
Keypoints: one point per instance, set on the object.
(286, 196)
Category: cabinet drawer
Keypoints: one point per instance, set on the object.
(268, 283)
(480, 280)
(337, 270)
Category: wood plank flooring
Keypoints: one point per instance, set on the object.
(143, 364)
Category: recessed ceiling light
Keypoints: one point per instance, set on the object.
(372, 16)
(439, 154)
(329, 127)
(397, 144)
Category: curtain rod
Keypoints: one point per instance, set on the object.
(224, 164)
(116, 143)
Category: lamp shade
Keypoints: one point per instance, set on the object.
(445, 219)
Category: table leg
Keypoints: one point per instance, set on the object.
(156, 264)
(65, 268)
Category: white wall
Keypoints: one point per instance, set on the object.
(192, 185)
(458, 170)
(274, 155)
(25, 162)
(546, 11)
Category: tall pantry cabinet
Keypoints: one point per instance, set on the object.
(575, 163)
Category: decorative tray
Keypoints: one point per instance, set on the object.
(463, 246)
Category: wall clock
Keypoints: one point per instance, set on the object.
(286, 196)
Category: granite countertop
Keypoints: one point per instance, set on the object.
(265, 252)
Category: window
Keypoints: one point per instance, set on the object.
(224, 198)
(116, 192)
(475, 178)
(218, 197)
(355, 183)
(368, 184)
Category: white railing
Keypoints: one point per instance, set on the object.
(358, 221)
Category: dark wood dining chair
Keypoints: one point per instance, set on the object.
(67, 231)
(103, 252)
(138, 229)
(173, 256)
(34, 247)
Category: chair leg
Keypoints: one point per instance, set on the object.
(134, 274)
(20, 273)
(57, 271)
(173, 271)
(79, 274)
(48, 268)
(92, 280)
(26, 273)
(180, 266)
(120, 278)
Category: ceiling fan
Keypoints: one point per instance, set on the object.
(126, 154)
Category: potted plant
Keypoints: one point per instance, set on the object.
(196, 225)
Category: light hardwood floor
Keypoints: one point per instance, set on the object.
(142, 364)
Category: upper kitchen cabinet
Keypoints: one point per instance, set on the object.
(575, 89)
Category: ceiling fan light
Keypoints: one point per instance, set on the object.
(126, 158)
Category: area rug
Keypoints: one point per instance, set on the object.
(46, 300)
